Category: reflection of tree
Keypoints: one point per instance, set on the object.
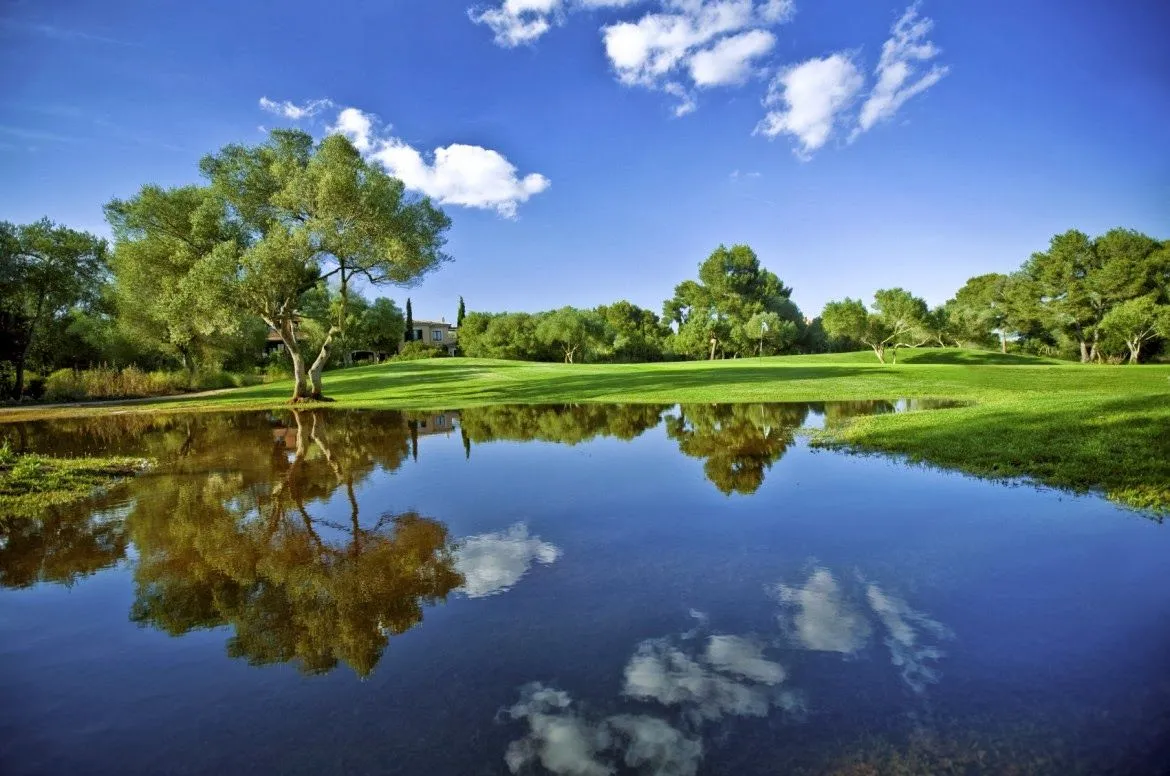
(60, 545)
(739, 442)
(254, 552)
(250, 521)
(568, 424)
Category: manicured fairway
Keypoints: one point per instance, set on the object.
(1084, 427)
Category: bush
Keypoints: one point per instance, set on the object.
(412, 351)
(134, 383)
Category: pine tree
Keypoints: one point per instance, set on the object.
(409, 321)
(462, 312)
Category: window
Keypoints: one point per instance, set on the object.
(418, 334)
(437, 335)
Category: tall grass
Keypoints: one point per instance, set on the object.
(133, 383)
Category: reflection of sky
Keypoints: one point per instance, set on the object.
(819, 616)
(493, 562)
(699, 679)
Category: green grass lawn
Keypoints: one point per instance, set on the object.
(1083, 427)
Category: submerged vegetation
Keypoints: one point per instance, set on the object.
(30, 483)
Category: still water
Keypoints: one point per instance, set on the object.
(581, 591)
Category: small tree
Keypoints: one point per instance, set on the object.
(1136, 322)
(573, 331)
(459, 316)
(770, 329)
(382, 326)
(898, 321)
(409, 333)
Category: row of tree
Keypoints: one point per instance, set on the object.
(1098, 299)
(736, 307)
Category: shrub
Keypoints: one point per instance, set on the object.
(134, 383)
(417, 349)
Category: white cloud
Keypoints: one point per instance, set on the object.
(729, 61)
(518, 22)
(806, 100)
(494, 562)
(707, 43)
(458, 174)
(290, 110)
(820, 618)
(899, 75)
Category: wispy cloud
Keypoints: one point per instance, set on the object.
(63, 33)
(900, 73)
(291, 110)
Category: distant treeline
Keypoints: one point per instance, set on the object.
(1103, 299)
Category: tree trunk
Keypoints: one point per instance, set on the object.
(294, 351)
(1002, 341)
(319, 365)
(1084, 351)
(713, 343)
(880, 352)
(1135, 350)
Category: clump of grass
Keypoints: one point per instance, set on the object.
(31, 483)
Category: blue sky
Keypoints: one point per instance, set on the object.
(550, 128)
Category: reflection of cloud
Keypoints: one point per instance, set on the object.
(566, 742)
(493, 562)
(731, 677)
(823, 620)
(905, 629)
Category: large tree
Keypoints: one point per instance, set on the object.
(1078, 280)
(318, 212)
(712, 313)
(46, 270)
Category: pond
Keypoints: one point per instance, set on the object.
(579, 590)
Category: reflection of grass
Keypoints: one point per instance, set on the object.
(1077, 426)
(31, 483)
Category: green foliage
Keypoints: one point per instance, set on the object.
(632, 334)
(412, 351)
(1136, 322)
(461, 314)
(710, 316)
(175, 257)
(575, 333)
(899, 320)
(46, 271)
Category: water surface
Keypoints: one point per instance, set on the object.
(573, 590)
